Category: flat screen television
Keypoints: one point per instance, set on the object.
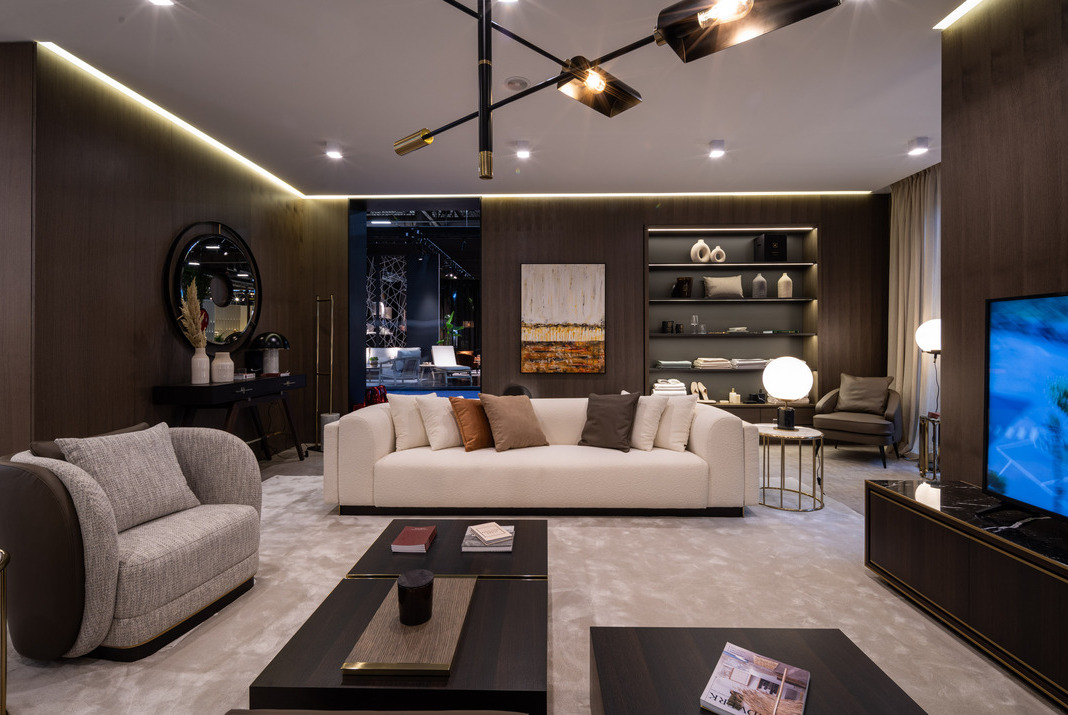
(1026, 443)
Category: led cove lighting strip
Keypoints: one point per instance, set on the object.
(961, 11)
(89, 69)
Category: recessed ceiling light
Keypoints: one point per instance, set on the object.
(333, 151)
(918, 146)
(162, 3)
(717, 148)
(963, 9)
(508, 2)
(522, 149)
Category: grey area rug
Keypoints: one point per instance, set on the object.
(770, 569)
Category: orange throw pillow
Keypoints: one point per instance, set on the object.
(474, 427)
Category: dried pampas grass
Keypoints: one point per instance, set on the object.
(189, 318)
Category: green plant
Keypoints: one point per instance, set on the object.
(449, 331)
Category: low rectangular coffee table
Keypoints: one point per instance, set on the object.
(528, 558)
(665, 670)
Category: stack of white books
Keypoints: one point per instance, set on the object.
(490, 537)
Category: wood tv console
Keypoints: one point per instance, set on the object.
(1003, 589)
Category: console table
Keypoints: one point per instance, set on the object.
(1000, 583)
(234, 396)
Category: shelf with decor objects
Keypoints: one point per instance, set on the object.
(741, 292)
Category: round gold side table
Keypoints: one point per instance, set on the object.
(774, 496)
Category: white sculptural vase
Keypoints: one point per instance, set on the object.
(700, 252)
(718, 255)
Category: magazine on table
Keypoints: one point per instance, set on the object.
(471, 542)
(749, 683)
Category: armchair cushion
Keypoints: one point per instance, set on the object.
(138, 471)
(863, 394)
(855, 423)
(48, 447)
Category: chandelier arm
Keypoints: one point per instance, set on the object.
(622, 50)
(485, 89)
(508, 33)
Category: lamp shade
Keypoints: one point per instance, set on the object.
(596, 88)
(929, 336)
(692, 30)
(265, 341)
(787, 378)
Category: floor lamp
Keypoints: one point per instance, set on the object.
(929, 340)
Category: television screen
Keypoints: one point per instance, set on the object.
(1026, 458)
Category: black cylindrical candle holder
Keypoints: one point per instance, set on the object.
(415, 596)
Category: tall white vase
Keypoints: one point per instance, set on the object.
(786, 287)
(201, 367)
(222, 367)
(700, 252)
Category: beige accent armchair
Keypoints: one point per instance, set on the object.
(863, 410)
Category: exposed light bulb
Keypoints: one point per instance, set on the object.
(724, 11)
(918, 146)
(717, 148)
(595, 82)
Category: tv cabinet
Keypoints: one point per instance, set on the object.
(1002, 589)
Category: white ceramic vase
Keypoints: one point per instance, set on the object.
(201, 367)
(718, 255)
(786, 287)
(760, 286)
(700, 252)
(222, 367)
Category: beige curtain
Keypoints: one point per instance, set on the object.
(915, 280)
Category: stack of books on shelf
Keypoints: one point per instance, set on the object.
(414, 540)
(746, 682)
(669, 387)
(748, 363)
(489, 537)
(712, 363)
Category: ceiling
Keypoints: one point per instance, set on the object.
(826, 104)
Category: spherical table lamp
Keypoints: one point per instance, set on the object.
(787, 378)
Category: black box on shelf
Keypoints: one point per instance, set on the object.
(769, 248)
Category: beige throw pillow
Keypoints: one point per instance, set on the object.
(674, 430)
(863, 394)
(723, 286)
(512, 421)
(407, 422)
(647, 421)
(439, 421)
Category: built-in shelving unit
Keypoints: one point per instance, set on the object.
(792, 321)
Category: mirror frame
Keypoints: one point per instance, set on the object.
(172, 277)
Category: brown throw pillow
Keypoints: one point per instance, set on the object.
(609, 421)
(474, 427)
(49, 449)
(863, 394)
(513, 422)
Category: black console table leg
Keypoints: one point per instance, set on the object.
(259, 431)
(292, 427)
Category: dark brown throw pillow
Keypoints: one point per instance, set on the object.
(50, 450)
(863, 394)
(609, 421)
(474, 427)
(513, 422)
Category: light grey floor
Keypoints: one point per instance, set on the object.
(770, 569)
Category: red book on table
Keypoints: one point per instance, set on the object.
(414, 539)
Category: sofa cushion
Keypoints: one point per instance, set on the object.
(471, 420)
(551, 477)
(609, 421)
(561, 418)
(407, 422)
(439, 421)
(513, 422)
(165, 558)
(49, 449)
(856, 422)
(863, 394)
(674, 429)
(138, 471)
(647, 421)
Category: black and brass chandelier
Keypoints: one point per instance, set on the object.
(692, 28)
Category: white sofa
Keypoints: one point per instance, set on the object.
(717, 474)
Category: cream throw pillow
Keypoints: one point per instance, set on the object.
(723, 286)
(674, 430)
(407, 422)
(647, 420)
(439, 421)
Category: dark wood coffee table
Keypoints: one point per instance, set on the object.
(501, 660)
(528, 558)
(665, 670)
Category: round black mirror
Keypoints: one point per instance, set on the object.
(220, 263)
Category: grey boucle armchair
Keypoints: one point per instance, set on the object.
(81, 582)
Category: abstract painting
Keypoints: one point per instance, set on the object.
(562, 317)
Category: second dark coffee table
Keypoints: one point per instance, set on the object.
(528, 559)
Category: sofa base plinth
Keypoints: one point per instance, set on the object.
(350, 510)
(143, 650)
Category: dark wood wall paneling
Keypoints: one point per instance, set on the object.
(854, 249)
(113, 185)
(1005, 178)
(16, 259)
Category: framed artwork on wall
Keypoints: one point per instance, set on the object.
(562, 318)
